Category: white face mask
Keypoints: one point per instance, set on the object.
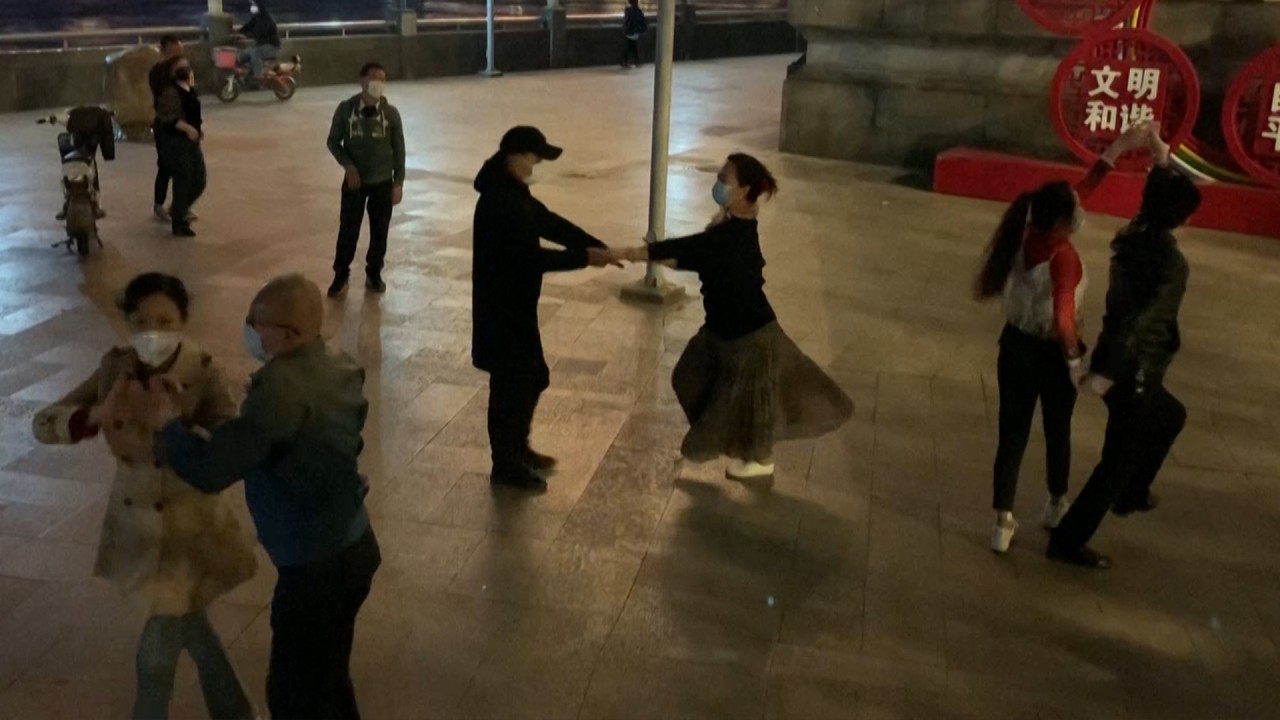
(253, 344)
(253, 9)
(375, 89)
(155, 347)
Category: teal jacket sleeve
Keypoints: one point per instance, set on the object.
(269, 416)
(338, 136)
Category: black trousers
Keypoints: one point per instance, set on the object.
(1030, 371)
(185, 161)
(631, 54)
(1141, 430)
(313, 620)
(513, 400)
(162, 173)
(376, 201)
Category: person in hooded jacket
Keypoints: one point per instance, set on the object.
(508, 264)
(263, 36)
(1138, 342)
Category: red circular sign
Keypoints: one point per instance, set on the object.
(1078, 17)
(1251, 118)
(1119, 78)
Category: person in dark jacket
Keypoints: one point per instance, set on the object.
(180, 122)
(508, 264)
(634, 26)
(1138, 342)
(366, 137)
(159, 79)
(296, 444)
(264, 39)
(92, 129)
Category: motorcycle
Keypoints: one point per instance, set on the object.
(236, 77)
(78, 147)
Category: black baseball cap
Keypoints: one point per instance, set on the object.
(525, 139)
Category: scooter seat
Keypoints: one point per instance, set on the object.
(285, 67)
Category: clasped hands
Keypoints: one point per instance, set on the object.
(156, 403)
(1142, 136)
(616, 257)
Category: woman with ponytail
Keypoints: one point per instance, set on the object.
(743, 384)
(1033, 265)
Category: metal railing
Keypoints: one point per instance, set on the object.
(86, 39)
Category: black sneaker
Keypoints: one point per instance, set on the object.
(62, 215)
(538, 462)
(338, 287)
(1082, 556)
(374, 284)
(184, 231)
(519, 479)
(1127, 508)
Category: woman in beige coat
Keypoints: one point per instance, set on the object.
(162, 541)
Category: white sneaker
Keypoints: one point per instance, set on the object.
(1054, 510)
(748, 470)
(1002, 535)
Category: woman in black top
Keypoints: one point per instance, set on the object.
(181, 130)
(742, 382)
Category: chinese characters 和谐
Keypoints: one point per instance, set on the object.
(1112, 108)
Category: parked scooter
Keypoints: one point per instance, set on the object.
(88, 130)
(235, 77)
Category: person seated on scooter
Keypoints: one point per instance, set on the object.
(92, 128)
(263, 37)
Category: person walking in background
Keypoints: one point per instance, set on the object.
(1032, 263)
(296, 443)
(742, 383)
(159, 79)
(1138, 342)
(263, 37)
(163, 542)
(367, 139)
(634, 26)
(507, 268)
(180, 121)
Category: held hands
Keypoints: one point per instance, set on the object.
(1141, 136)
(602, 257)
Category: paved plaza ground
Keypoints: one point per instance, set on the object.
(859, 586)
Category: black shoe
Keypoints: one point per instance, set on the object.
(374, 284)
(1127, 508)
(1082, 556)
(518, 478)
(60, 216)
(338, 287)
(184, 231)
(538, 462)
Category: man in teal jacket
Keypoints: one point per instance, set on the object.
(367, 140)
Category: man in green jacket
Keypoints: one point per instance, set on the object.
(367, 140)
(1138, 342)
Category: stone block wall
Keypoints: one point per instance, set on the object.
(898, 81)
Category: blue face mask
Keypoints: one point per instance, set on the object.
(720, 193)
(253, 344)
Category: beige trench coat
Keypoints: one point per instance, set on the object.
(162, 540)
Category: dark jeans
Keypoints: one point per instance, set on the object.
(313, 620)
(631, 55)
(185, 160)
(376, 200)
(162, 173)
(163, 640)
(513, 399)
(1032, 370)
(1141, 430)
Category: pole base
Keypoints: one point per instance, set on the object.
(659, 293)
(491, 73)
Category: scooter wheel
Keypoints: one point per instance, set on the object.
(285, 88)
(229, 91)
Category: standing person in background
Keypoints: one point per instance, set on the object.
(1032, 263)
(263, 37)
(634, 26)
(170, 48)
(181, 124)
(1138, 342)
(367, 139)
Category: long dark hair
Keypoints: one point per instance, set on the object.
(753, 175)
(1046, 208)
